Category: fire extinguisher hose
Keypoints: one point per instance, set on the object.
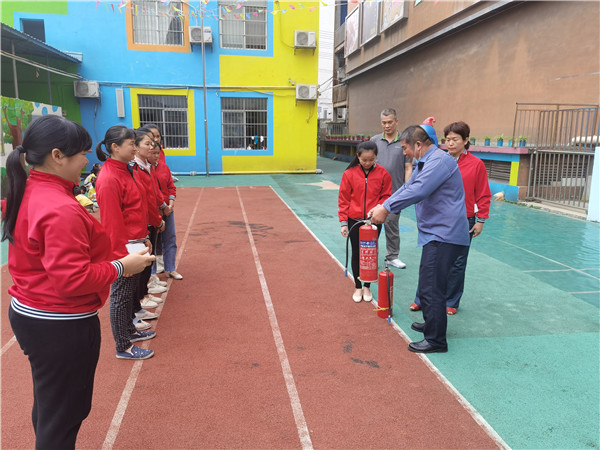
(360, 221)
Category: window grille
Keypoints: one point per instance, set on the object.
(244, 123)
(244, 27)
(170, 113)
(156, 23)
(498, 170)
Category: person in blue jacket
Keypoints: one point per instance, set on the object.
(436, 190)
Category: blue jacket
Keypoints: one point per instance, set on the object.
(436, 190)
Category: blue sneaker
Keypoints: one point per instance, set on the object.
(142, 336)
(136, 353)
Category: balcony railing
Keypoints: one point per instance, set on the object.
(563, 127)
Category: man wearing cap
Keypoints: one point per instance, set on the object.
(436, 190)
(391, 157)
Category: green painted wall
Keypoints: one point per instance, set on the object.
(8, 7)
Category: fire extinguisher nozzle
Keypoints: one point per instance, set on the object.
(346, 273)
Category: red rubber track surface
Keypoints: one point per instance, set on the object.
(216, 380)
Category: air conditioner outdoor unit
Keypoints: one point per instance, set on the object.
(342, 113)
(87, 89)
(305, 39)
(196, 35)
(306, 92)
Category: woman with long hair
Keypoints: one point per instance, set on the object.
(62, 267)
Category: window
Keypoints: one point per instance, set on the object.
(244, 123)
(34, 28)
(170, 113)
(243, 25)
(156, 25)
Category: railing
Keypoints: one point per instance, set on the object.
(566, 127)
(340, 94)
(340, 36)
(561, 177)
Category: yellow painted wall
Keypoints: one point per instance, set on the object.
(294, 124)
(514, 173)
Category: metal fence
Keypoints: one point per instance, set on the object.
(556, 126)
(561, 177)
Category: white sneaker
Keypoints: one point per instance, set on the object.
(160, 264)
(157, 289)
(397, 263)
(155, 280)
(140, 325)
(142, 314)
(367, 295)
(154, 299)
(148, 304)
(357, 296)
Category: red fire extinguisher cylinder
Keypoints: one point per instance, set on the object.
(367, 236)
(385, 295)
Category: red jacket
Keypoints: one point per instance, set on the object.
(165, 181)
(359, 193)
(122, 210)
(60, 260)
(475, 182)
(151, 195)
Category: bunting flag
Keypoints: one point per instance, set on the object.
(227, 11)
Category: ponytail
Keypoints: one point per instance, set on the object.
(17, 179)
(100, 153)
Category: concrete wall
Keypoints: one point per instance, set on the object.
(545, 52)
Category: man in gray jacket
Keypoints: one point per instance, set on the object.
(391, 157)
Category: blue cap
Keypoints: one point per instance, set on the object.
(427, 126)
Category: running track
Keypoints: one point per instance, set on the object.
(260, 346)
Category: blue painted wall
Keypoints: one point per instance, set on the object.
(101, 36)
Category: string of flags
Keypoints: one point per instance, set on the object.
(227, 11)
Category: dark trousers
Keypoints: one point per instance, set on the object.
(354, 241)
(436, 260)
(456, 277)
(122, 293)
(63, 355)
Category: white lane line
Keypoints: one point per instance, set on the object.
(459, 397)
(8, 345)
(546, 258)
(303, 433)
(115, 425)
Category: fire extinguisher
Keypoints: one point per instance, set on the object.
(385, 294)
(367, 257)
(368, 251)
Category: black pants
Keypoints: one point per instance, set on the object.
(63, 355)
(437, 259)
(354, 241)
(456, 277)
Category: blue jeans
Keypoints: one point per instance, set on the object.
(169, 243)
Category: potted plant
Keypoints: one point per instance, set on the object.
(472, 140)
(443, 140)
(522, 141)
(486, 140)
(511, 141)
(500, 140)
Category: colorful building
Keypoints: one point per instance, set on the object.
(142, 62)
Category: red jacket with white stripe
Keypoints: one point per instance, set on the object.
(60, 259)
(122, 211)
(477, 187)
(151, 194)
(359, 193)
(165, 181)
